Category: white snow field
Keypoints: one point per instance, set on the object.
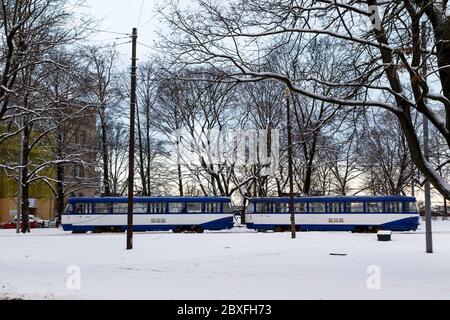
(236, 264)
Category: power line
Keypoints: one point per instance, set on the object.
(145, 45)
(114, 44)
(149, 20)
(110, 39)
(140, 14)
(112, 32)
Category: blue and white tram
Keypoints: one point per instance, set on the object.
(149, 214)
(343, 213)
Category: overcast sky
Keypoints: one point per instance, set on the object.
(121, 16)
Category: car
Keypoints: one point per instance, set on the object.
(46, 223)
(11, 224)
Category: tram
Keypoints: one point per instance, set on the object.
(343, 213)
(179, 214)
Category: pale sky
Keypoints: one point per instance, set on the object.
(121, 16)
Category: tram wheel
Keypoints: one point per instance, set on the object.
(199, 229)
(278, 229)
(98, 230)
(177, 230)
(78, 231)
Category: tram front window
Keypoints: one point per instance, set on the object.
(226, 207)
(411, 207)
(68, 209)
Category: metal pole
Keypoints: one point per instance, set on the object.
(428, 229)
(131, 146)
(19, 181)
(290, 166)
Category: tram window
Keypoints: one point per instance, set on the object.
(212, 207)
(84, 208)
(194, 207)
(157, 207)
(411, 207)
(176, 207)
(226, 207)
(317, 207)
(120, 207)
(355, 206)
(103, 208)
(375, 207)
(139, 207)
(250, 208)
(300, 207)
(281, 207)
(335, 207)
(393, 206)
(263, 207)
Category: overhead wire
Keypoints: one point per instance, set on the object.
(140, 13)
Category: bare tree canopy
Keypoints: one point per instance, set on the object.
(394, 55)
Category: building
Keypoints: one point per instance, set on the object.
(75, 141)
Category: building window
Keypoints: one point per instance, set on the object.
(78, 171)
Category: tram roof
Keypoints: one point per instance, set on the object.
(148, 199)
(335, 199)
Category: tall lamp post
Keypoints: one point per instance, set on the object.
(131, 146)
(426, 151)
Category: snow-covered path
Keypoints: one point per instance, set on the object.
(236, 264)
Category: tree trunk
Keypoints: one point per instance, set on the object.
(105, 157)
(25, 185)
(180, 181)
(60, 193)
(141, 156)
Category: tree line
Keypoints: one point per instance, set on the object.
(358, 93)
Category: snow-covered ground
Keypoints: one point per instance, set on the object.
(237, 264)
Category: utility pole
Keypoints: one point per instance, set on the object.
(290, 166)
(19, 181)
(131, 146)
(426, 151)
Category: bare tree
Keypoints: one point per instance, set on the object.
(101, 79)
(384, 54)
